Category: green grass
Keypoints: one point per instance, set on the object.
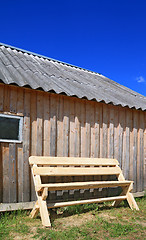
(12, 223)
(90, 221)
(78, 209)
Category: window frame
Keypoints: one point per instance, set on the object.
(20, 128)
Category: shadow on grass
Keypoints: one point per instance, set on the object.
(64, 212)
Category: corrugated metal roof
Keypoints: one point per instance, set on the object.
(24, 68)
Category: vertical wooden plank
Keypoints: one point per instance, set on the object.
(98, 178)
(20, 101)
(110, 146)
(77, 140)
(66, 111)
(116, 133)
(72, 135)
(77, 148)
(12, 173)
(33, 120)
(105, 130)
(44, 122)
(126, 144)
(26, 147)
(141, 136)
(87, 193)
(97, 117)
(88, 129)
(20, 171)
(5, 151)
(5, 160)
(46, 145)
(131, 146)
(1, 175)
(138, 154)
(33, 136)
(19, 147)
(97, 130)
(40, 107)
(145, 150)
(72, 128)
(121, 132)
(110, 143)
(83, 136)
(83, 128)
(66, 129)
(59, 137)
(53, 134)
(12, 152)
(60, 127)
(92, 129)
(135, 147)
(6, 98)
(1, 97)
(105, 122)
(53, 125)
(92, 122)
(101, 130)
(13, 99)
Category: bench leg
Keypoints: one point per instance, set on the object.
(117, 202)
(44, 212)
(41, 206)
(130, 199)
(35, 210)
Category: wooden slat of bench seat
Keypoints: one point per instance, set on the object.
(59, 161)
(71, 203)
(76, 171)
(82, 185)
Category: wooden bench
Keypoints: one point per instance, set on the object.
(69, 166)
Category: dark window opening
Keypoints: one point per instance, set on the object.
(10, 128)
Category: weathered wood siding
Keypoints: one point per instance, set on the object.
(57, 125)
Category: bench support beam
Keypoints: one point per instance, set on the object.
(71, 203)
(130, 199)
(35, 210)
(41, 206)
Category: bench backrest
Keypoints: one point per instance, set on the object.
(73, 166)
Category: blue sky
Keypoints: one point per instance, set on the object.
(105, 36)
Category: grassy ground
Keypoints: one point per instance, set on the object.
(79, 222)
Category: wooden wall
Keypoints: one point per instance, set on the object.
(57, 125)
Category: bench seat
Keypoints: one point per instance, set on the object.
(82, 185)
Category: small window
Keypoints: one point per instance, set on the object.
(10, 128)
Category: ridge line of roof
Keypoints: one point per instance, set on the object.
(48, 58)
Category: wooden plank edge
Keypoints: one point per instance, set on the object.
(138, 194)
(43, 160)
(82, 185)
(71, 203)
(16, 206)
(77, 171)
